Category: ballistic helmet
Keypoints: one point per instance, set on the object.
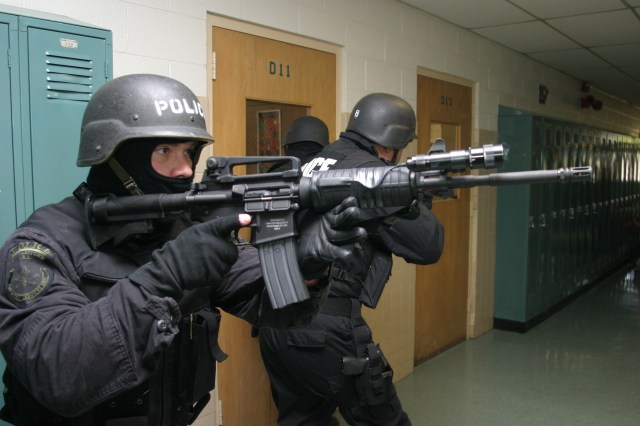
(139, 106)
(308, 129)
(384, 119)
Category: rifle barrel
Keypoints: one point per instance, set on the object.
(572, 174)
(150, 206)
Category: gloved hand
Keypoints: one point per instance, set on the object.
(323, 237)
(200, 256)
(372, 218)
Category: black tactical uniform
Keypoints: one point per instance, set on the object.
(101, 334)
(306, 138)
(116, 324)
(334, 362)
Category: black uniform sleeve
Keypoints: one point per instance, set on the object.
(419, 240)
(240, 293)
(69, 352)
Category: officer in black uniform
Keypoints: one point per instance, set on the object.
(334, 362)
(112, 325)
(306, 138)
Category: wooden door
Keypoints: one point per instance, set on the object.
(255, 77)
(444, 111)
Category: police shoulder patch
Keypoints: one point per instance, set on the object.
(29, 271)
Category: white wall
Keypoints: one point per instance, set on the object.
(385, 42)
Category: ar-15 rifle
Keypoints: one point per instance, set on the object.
(274, 198)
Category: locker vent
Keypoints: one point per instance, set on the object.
(69, 76)
(537, 133)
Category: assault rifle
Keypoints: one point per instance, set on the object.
(274, 198)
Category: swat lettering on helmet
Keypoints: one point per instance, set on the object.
(178, 106)
(319, 164)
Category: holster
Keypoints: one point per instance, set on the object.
(371, 370)
(373, 376)
(374, 387)
(197, 373)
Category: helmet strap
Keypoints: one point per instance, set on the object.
(128, 182)
(394, 159)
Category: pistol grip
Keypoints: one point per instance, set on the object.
(282, 276)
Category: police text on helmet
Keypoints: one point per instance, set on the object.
(178, 106)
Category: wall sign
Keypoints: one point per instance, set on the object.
(446, 100)
(279, 69)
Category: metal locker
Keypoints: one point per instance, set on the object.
(8, 129)
(515, 225)
(572, 203)
(62, 65)
(8, 217)
(576, 232)
(49, 68)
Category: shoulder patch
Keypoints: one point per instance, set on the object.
(29, 271)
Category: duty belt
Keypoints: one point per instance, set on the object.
(343, 307)
(350, 308)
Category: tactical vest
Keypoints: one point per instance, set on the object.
(186, 374)
(364, 275)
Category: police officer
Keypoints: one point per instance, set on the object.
(306, 138)
(333, 362)
(113, 325)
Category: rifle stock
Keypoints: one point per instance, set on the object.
(274, 198)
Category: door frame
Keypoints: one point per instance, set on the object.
(481, 270)
(221, 22)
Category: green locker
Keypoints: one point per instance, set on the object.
(576, 233)
(517, 220)
(9, 126)
(53, 66)
(49, 68)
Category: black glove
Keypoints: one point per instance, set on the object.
(372, 218)
(322, 237)
(199, 257)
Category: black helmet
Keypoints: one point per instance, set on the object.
(384, 119)
(308, 129)
(138, 106)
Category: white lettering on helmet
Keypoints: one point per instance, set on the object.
(186, 107)
(161, 106)
(178, 106)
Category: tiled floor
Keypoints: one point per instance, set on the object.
(579, 367)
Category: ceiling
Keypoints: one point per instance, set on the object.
(593, 40)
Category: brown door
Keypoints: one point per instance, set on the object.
(260, 82)
(444, 111)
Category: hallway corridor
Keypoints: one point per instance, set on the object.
(579, 367)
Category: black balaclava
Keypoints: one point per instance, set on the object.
(304, 150)
(135, 158)
(137, 238)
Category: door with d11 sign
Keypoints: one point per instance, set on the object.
(260, 86)
(444, 111)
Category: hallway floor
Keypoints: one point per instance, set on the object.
(579, 367)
